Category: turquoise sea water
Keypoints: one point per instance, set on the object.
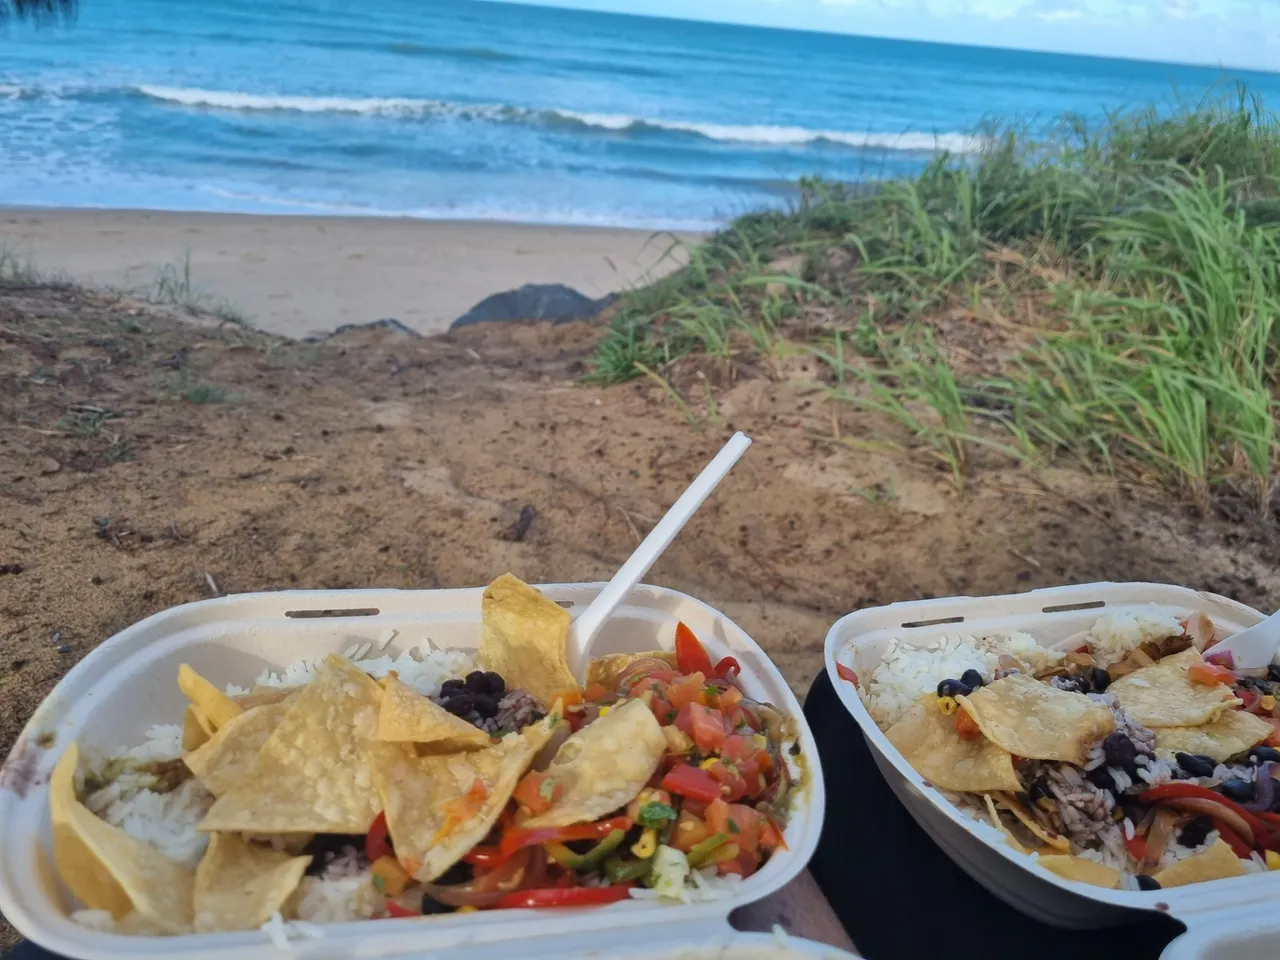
(468, 110)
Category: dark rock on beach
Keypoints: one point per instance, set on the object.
(386, 323)
(535, 301)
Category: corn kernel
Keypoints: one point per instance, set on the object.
(1268, 702)
(1273, 860)
(947, 705)
(708, 763)
(604, 710)
(466, 908)
(645, 847)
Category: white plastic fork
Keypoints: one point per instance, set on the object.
(589, 622)
(1254, 647)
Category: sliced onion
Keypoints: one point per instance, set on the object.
(487, 890)
(637, 671)
(1158, 837)
(1264, 787)
(1199, 628)
(1224, 659)
(1211, 808)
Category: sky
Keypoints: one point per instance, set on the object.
(1235, 33)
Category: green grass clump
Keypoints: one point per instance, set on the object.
(1138, 264)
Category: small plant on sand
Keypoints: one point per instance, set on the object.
(174, 286)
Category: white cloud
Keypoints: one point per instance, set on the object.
(1060, 16)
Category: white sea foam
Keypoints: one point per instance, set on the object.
(502, 113)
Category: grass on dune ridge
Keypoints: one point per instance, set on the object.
(1105, 294)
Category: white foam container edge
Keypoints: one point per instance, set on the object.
(1052, 615)
(128, 683)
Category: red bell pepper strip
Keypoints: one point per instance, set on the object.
(847, 673)
(1137, 846)
(690, 655)
(1169, 791)
(395, 910)
(689, 781)
(519, 838)
(722, 669)
(484, 857)
(376, 844)
(1238, 846)
(571, 897)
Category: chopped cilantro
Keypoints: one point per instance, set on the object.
(547, 789)
(733, 826)
(671, 715)
(654, 814)
(379, 884)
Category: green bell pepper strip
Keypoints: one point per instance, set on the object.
(702, 851)
(622, 871)
(586, 862)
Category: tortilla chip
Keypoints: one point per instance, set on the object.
(215, 705)
(419, 792)
(1233, 732)
(1162, 696)
(1217, 862)
(196, 729)
(1055, 840)
(1000, 825)
(524, 637)
(1080, 870)
(406, 716)
(265, 696)
(606, 670)
(1034, 720)
(106, 868)
(604, 765)
(314, 773)
(927, 739)
(228, 756)
(239, 886)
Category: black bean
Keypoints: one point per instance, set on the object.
(1196, 764)
(1263, 754)
(1255, 683)
(451, 688)
(460, 705)
(954, 688)
(1100, 678)
(1039, 788)
(1273, 673)
(1195, 831)
(1120, 751)
(1083, 682)
(1100, 778)
(1238, 789)
(430, 906)
(476, 682)
(971, 678)
(486, 706)
(496, 686)
(1147, 883)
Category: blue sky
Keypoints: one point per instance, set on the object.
(1241, 33)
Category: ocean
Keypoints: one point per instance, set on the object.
(481, 111)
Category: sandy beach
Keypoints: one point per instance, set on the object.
(295, 276)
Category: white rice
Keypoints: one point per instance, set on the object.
(1114, 635)
(909, 672)
(422, 668)
(279, 930)
(337, 899)
(704, 887)
(166, 821)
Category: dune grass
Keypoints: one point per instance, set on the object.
(1128, 275)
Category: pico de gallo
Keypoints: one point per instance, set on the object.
(717, 803)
